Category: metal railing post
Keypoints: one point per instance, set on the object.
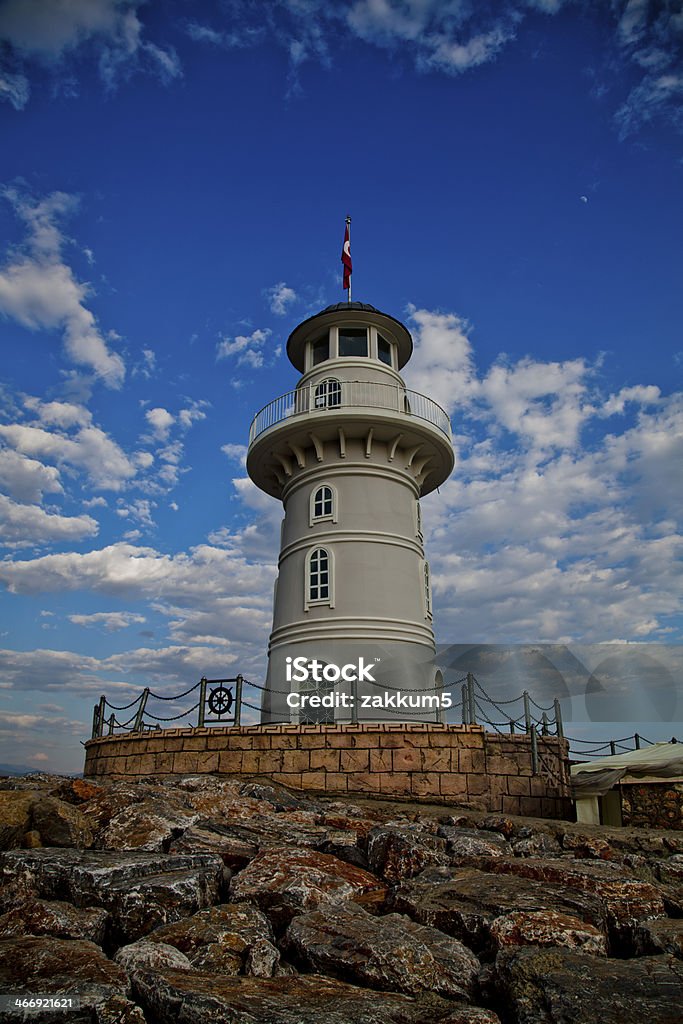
(354, 700)
(512, 727)
(527, 712)
(559, 728)
(100, 715)
(238, 699)
(470, 699)
(110, 723)
(534, 751)
(544, 724)
(465, 709)
(202, 703)
(612, 747)
(95, 720)
(636, 740)
(137, 724)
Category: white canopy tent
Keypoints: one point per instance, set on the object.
(594, 780)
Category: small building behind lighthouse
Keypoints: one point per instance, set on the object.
(350, 452)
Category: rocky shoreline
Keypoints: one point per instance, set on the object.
(208, 899)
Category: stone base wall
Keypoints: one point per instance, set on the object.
(653, 804)
(459, 764)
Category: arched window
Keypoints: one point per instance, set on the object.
(319, 582)
(328, 393)
(323, 504)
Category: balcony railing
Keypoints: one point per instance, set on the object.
(332, 395)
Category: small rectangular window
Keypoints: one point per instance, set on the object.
(383, 350)
(353, 342)
(320, 350)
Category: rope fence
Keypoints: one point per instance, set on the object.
(220, 702)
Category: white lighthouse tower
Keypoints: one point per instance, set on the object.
(350, 452)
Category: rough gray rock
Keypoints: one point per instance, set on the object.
(151, 824)
(569, 987)
(140, 890)
(663, 935)
(389, 952)
(193, 997)
(546, 928)
(235, 938)
(464, 902)
(153, 955)
(396, 851)
(283, 882)
(42, 964)
(57, 918)
(468, 845)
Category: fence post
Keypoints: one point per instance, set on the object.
(112, 719)
(470, 699)
(544, 724)
(512, 727)
(465, 713)
(202, 703)
(137, 724)
(534, 751)
(95, 720)
(559, 727)
(527, 712)
(238, 698)
(636, 739)
(612, 747)
(100, 716)
(354, 701)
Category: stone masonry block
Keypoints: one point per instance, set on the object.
(327, 760)
(208, 761)
(497, 764)
(407, 759)
(314, 781)
(230, 761)
(296, 761)
(395, 784)
(471, 761)
(163, 763)
(336, 782)
(436, 759)
(518, 785)
(530, 806)
(452, 784)
(262, 742)
(355, 760)
(380, 760)
(185, 762)
(363, 782)
(477, 785)
(425, 784)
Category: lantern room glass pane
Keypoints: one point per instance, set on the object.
(353, 341)
(320, 350)
(383, 350)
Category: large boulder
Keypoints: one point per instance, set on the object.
(469, 845)
(195, 997)
(626, 901)
(47, 966)
(398, 851)
(140, 890)
(57, 918)
(283, 882)
(561, 986)
(15, 817)
(546, 928)
(151, 824)
(464, 902)
(60, 823)
(235, 938)
(389, 952)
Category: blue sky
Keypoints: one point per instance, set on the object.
(175, 178)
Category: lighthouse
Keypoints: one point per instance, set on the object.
(349, 453)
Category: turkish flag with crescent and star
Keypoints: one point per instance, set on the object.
(346, 260)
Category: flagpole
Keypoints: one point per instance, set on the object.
(348, 225)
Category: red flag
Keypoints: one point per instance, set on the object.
(346, 259)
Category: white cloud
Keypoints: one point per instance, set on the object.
(280, 296)
(161, 421)
(89, 450)
(640, 395)
(50, 32)
(235, 452)
(27, 479)
(24, 525)
(15, 89)
(193, 413)
(39, 290)
(247, 347)
(111, 621)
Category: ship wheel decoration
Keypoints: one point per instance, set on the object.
(220, 701)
